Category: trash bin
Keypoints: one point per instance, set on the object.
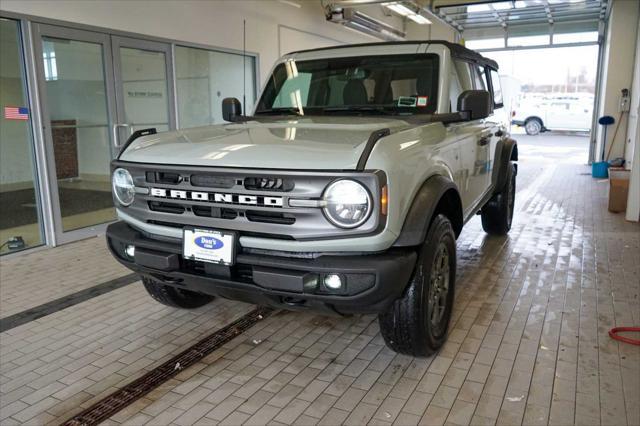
(618, 189)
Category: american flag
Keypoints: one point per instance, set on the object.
(16, 113)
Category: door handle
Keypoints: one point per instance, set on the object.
(114, 130)
(483, 141)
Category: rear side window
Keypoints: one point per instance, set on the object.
(498, 101)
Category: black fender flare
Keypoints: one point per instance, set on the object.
(420, 214)
(506, 151)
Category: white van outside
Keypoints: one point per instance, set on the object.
(562, 111)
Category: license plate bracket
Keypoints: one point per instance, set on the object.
(209, 245)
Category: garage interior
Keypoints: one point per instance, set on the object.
(81, 341)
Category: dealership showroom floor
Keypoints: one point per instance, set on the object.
(325, 187)
(528, 342)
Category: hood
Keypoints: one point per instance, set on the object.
(320, 143)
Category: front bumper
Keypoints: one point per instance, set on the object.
(371, 281)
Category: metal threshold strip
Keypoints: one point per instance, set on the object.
(121, 398)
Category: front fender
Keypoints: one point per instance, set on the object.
(431, 193)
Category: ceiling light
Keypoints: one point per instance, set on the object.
(406, 12)
(501, 5)
(475, 8)
(399, 8)
(419, 19)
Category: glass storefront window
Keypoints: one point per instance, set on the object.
(20, 223)
(204, 78)
(77, 101)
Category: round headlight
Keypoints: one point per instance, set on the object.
(123, 187)
(348, 203)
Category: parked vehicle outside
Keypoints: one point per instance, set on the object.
(343, 193)
(563, 111)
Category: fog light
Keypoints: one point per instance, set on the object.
(333, 281)
(130, 251)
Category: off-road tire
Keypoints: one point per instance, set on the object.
(497, 214)
(406, 327)
(533, 126)
(175, 297)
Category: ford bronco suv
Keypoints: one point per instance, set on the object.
(343, 192)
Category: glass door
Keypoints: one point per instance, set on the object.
(76, 85)
(20, 214)
(144, 88)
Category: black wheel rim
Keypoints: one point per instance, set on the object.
(439, 287)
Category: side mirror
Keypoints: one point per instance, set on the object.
(475, 104)
(231, 109)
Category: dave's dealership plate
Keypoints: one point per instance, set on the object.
(209, 245)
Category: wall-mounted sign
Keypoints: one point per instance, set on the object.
(16, 113)
(141, 94)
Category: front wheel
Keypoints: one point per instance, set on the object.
(417, 323)
(175, 297)
(533, 126)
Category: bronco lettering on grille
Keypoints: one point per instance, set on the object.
(215, 197)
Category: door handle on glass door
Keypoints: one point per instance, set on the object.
(115, 133)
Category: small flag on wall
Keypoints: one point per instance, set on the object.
(16, 113)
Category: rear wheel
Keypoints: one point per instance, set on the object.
(175, 297)
(417, 323)
(533, 126)
(497, 214)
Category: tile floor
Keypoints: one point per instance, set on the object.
(528, 342)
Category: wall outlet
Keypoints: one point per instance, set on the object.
(625, 101)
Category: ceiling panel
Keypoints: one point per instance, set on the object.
(521, 17)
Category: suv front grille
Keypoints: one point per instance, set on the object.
(253, 202)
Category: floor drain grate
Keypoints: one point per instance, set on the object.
(121, 398)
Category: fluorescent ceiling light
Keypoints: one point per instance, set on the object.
(419, 19)
(399, 8)
(505, 5)
(475, 8)
(406, 12)
(520, 4)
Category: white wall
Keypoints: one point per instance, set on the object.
(214, 23)
(634, 111)
(618, 71)
(632, 150)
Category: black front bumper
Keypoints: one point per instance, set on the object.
(372, 281)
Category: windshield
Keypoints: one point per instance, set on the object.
(388, 84)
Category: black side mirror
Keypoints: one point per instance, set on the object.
(231, 109)
(475, 104)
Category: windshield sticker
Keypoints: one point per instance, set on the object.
(422, 101)
(406, 101)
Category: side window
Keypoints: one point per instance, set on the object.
(498, 101)
(454, 91)
(480, 78)
(461, 80)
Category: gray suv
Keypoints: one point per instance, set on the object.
(343, 192)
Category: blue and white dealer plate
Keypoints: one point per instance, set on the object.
(208, 245)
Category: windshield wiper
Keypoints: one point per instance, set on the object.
(377, 109)
(279, 111)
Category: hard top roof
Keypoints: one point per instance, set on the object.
(457, 50)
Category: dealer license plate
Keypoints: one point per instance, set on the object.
(209, 245)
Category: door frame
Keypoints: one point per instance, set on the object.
(45, 30)
(47, 189)
(133, 43)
